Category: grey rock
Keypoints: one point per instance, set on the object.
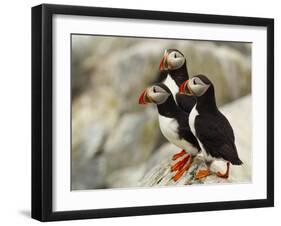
(126, 177)
(89, 176)
(132, 141)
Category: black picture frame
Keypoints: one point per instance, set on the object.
(42, 107)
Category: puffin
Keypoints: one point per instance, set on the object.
(210, 127)
(173, 123)
(173, 72)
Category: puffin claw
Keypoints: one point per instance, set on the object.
(224, 175)
(180, 164)
(178, 155)
(183, 168)
(202, 173)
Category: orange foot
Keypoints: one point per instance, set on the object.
(203, 173)
(180, 164)
(178, 155)
(183, 169)
(226, 174)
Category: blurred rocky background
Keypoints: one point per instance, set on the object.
(116, 142)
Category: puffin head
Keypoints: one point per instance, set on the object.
(157, 94)
(196, 86)
(172, 59)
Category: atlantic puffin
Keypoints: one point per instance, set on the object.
(173, 124)
(211, 128)
(173, 72)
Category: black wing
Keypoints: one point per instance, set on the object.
(185, 133)
(217, 137)
(186, 103)
(160, 77)
(184, 130)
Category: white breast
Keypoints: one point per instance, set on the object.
(169, 129)
(192, 116)
(172, 85)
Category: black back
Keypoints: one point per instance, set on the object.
(186, 103)
(214, 130)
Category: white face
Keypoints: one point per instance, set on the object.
(197, 86)
(172, 60)
(157, 94)
(175, 60)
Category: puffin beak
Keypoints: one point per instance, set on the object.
(182, 87)
(143, 97)
(163, 61)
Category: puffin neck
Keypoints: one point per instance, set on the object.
(207, 102)
(168, 108)
(179, 75)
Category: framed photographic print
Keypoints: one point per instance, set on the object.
(146, 112)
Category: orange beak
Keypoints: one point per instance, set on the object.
(163, 61)
(142, 97)
(182, 87)
(161, 66)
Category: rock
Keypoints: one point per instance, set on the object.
(224, 66)
(92, 139)
(132, 140)
(91, 127)
(126, 177)
(158, 170)
(89, 176)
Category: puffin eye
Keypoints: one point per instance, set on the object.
(175, 55)
(154, 90)
(194, 82)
